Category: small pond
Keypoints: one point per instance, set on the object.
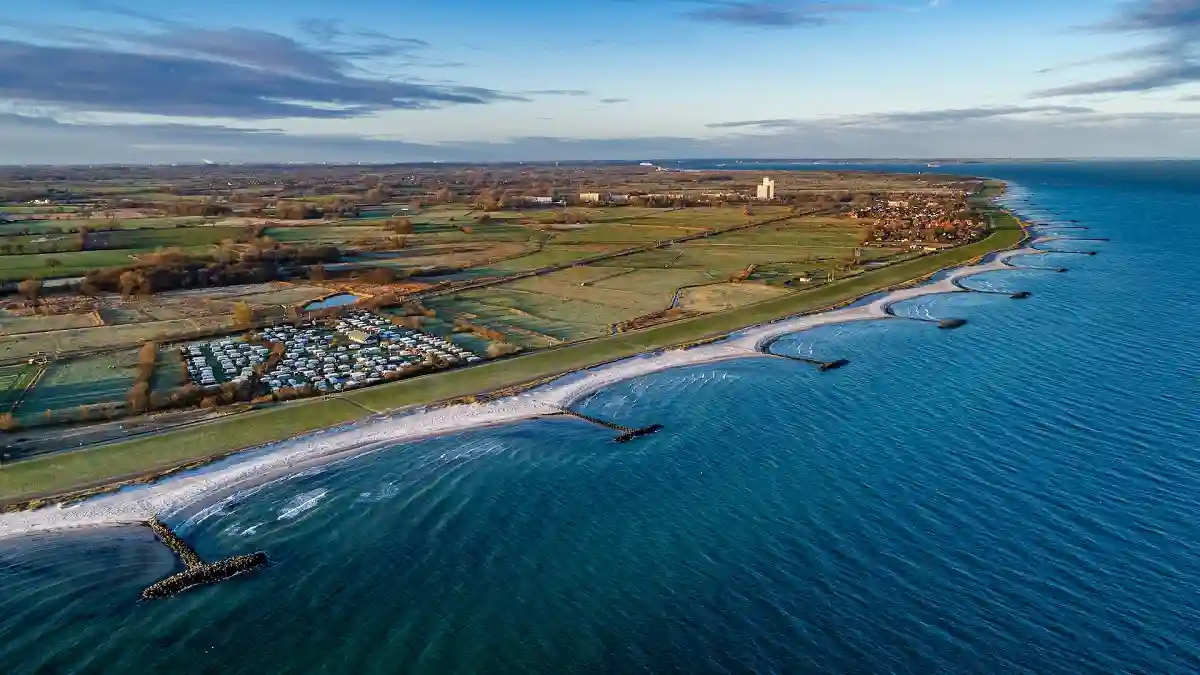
(332, 301)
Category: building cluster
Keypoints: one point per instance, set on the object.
(603, 198)
(919, 219)
(227, 360)
(360, 349)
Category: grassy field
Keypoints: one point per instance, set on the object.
(13, 380)
(150, 239)
(24, 346)
(326, 234)
(16, 267)
(720, 297)
(67, 384)
(99, 465)
(16, 325)
(59, 473)
(553, 255)
(618, 233)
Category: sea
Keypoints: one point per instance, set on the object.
(1019, 495)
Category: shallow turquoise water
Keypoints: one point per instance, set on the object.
(1019, 495)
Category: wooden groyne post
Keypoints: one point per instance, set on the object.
(196, 572)
(626, 433)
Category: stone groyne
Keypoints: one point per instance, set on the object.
(204, 574)
(821, 365)
(1015, 295)
(950, 324)
(196, 572)
(626, 433)
(187, 556)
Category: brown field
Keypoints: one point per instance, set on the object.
(719, 297)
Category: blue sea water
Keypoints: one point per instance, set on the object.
(1020, 495)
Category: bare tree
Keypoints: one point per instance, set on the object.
(30, 289)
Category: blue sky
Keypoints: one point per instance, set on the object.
(90, 81)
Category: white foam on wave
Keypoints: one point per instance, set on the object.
(381, 494)
(301, 503)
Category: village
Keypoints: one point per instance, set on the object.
(922, 221)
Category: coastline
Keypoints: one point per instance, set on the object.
(236, 465)
(192, 493)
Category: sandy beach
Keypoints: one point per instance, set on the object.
(191, 494)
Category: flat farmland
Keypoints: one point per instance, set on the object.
(720, 297)
(619, 233)
(491, 231)
(587, 274)
(656, 282)
(286, 295)
(69, 384)
(464, 255)
(326, 234)
(152, 238)
(796, 232)
(532, 319)
(13, 380)
(554, 255)
(25, 346)
(16, 325)
(76, 263)
(616, 299)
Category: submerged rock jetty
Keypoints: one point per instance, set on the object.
(821, 365)
(627, 433)
(197, 572)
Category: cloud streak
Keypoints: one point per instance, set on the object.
(774, 13)
(919, 117)
(220, 81)
(1171, 60)
(34, 140)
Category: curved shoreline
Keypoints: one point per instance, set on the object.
(198, 492)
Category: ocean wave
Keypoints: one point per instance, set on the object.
(302, 503)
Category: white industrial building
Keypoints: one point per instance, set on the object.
(766, 191)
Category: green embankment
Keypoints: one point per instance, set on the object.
(62, 473)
